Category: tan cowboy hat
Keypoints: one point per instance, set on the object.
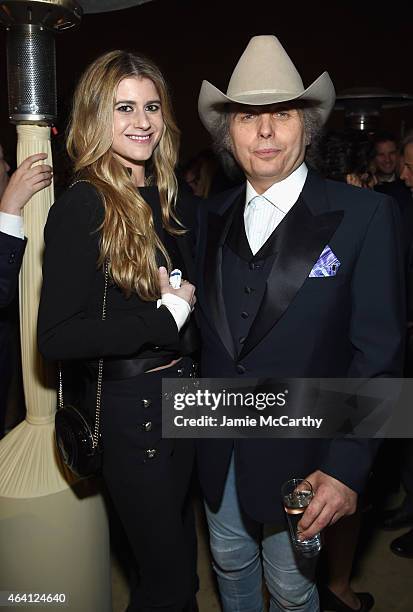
(264, 75)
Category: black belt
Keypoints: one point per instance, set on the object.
(117, 369)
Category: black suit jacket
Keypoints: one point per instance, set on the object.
(347, 325)
(70, 309)
(11, 255)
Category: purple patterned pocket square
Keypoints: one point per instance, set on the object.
(326, 265)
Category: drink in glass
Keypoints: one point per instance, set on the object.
(297, 494)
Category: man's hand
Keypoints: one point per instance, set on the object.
(332, 500)
(24, 183)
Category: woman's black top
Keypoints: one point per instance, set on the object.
(70, 310)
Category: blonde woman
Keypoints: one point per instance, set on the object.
(124, 209)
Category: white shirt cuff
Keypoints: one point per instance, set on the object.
(12, 225)
(178, 307)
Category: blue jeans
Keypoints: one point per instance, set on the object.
(237, 561)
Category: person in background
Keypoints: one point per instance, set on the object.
(15, 192)
(406, 161)
(385, 157)
(205, 175)
(389, 166)
(4, 172)
(343, 156)
(402, 516)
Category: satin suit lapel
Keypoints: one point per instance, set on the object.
(217, 230)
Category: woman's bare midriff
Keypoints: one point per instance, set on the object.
(168, 365)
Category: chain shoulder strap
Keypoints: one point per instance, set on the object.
(96, 430)
(79, 181)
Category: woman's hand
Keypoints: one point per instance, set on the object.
(365, 180)
(186, 291)
(180, 302)
(353, 179)
(24, 183)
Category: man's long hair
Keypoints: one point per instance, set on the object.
(128, 237)
(221, 138)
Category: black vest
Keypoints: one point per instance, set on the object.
(245, 275)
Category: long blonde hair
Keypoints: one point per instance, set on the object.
(128, 237)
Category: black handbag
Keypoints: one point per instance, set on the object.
(77, 435)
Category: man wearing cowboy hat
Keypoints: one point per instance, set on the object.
(297, 277)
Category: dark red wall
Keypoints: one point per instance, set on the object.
(354, 41)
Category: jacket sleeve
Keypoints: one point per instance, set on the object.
(377, 332)
(69, 268)
(11, 255)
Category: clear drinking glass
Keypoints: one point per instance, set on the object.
(297, 494)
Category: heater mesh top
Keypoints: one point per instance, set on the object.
(31, 73)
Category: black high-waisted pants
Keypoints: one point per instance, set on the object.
(148, 479)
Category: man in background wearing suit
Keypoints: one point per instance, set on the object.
(14, 194)
(402, 516)
(297, 277)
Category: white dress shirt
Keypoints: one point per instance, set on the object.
(263, 213)
(177, 306)
(12, 225)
